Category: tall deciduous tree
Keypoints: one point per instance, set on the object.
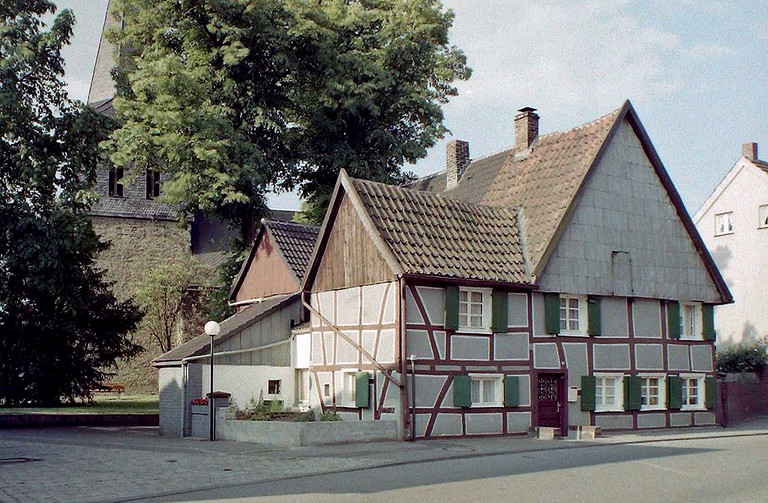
(60, 324)
(234, 97)
(165, 296)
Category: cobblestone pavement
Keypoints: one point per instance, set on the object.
(83, 470)
(120, 464)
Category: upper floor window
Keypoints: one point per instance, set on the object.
(690, 320)
(474, 309)
(763, 215)
(723, 223)
(153, 184)
(116, 182)
(572, 315)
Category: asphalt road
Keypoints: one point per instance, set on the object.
(717, 469)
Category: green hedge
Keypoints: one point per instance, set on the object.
(744, 357)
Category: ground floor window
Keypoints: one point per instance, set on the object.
(350, 385)
(273, 387)
(609, 392)
(653, 392)
(693, 391)
(326, 390)
(302, 386)
(486, 390)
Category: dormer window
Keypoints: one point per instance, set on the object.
(116, 182)
(153, 184)
(763, 214)
(724, 223)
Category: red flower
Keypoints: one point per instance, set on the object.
(199, 401)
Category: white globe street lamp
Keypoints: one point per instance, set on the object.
(212, 329)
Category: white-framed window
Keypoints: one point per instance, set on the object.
(573, 315)
(654, 391)
(690, 320)
(326, 390)
(273, 386)
(763, 216)
(302, 386)
(475, 309)
(486, 390)
(349, 387)
(693, 391)
(609, 392)
(723, 223)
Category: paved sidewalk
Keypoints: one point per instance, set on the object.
(121, 464)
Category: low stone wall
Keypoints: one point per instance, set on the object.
(289, 434)
(743, 396)
(40, 419)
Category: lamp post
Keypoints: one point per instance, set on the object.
(212, 329)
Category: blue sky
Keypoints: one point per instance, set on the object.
(695, 70)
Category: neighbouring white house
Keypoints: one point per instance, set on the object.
(262, 351)
(734, 225)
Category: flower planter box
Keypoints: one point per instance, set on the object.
(289, 434)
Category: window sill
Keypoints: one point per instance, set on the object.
(573, 334)
(470, 330)
(652, 409)
(485, 405)
(724, 234)
(597, 411)
(682, 338)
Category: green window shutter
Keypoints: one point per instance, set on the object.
(511, 391)
(593, 314)
(673, 319)
(710, 392)
(362, 391)
(588, 385)
(674, 392)
(462, 391)
(452, 307)
(633, 392)
(499, 302)
(708, 321)
(552, 313)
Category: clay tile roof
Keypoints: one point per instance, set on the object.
(545, 181)
(430, 234)
(296, 242)
(230, 327)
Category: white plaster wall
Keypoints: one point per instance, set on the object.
(170, 387)
(624, 207)
(742, 257)
(246, 382)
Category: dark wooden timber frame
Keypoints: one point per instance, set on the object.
(435, 366)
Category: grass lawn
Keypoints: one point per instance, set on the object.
(104, 403)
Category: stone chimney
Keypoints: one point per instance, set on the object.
(749, 150)
(526, 128)
(456, 161)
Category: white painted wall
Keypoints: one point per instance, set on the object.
(246, 382)
(742, 256)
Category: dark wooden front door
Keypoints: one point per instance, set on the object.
(549, 397)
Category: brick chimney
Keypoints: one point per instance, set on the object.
(456, 161)
(749, 150)
(526, 128)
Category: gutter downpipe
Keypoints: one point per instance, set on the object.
(412, 358)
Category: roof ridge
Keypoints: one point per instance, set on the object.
(272, 221)
(422, 193)
(585, 125)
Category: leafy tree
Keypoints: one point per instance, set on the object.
(748, 356)
(164, 295)
(235, 97)
(61, 327)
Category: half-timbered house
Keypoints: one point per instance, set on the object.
(560, 283)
